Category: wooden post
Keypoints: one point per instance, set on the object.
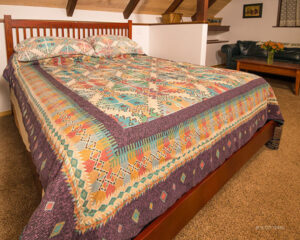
(297, 83)
(9, 36)
(201, 14)
(130, 29)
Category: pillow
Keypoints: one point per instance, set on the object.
(251, 48)
(45, 47)
(245, 46)
(111, 45)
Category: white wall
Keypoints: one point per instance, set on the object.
(185, 42)
(256, 29)
(140, 34)
(213, 54)
(260, 29)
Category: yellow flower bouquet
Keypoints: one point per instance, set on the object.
(272, 47)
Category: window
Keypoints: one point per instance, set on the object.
(289, 13)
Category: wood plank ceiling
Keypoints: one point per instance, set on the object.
(186, 7)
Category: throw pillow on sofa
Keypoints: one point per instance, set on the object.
(245, 47)
(251, 49)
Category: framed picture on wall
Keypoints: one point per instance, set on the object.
(252, 10)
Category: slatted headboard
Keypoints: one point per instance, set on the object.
(19, 29)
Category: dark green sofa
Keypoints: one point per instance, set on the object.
(251, 49)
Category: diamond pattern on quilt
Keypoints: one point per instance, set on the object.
(120, 228)
(135, 216)
(57, 229)
(151, 206)
(43, 164)
(218, 153)
(49, 206)
(182, 178)
(202, 164)
(163, 196)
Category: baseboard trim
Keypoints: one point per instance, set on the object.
(6, 113)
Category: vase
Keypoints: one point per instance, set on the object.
(270, 58)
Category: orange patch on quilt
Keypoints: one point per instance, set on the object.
(110, 190)
(142, 170)
(89, 165)
(106, 154)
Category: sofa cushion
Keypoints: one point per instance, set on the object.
(257, 51)
(289, 54)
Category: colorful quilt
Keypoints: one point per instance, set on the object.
(116, 141)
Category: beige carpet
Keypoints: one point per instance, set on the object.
(262, 201)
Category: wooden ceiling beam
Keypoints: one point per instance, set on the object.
(129, 8)
(201, 13)
(71, 7)
(211, 2)
(174, 5)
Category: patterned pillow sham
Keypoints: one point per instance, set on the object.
(111, 45)
(45, 47)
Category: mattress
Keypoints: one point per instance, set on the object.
(116, 141)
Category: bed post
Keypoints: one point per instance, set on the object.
(8, 36)
(130, 29)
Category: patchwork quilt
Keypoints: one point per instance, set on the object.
(116, 141)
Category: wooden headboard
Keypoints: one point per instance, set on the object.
(20, 29)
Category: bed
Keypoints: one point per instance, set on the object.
(130, 146)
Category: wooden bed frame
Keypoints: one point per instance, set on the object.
(74, 29)
(168, 224)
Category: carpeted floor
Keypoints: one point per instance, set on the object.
(262, 201)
